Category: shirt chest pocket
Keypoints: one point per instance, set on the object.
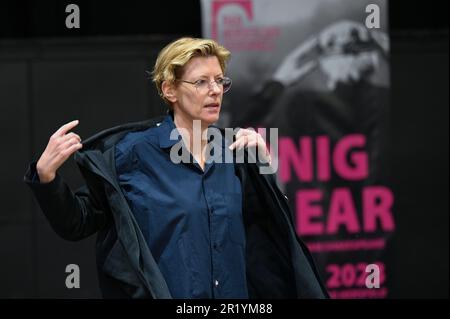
(236, 229)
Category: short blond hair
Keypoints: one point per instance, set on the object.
(173, 57)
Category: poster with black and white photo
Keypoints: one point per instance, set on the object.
(318, 71)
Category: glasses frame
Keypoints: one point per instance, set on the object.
(195, 83)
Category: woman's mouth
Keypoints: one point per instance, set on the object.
(212, 106)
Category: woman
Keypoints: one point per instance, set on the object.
(190, 229)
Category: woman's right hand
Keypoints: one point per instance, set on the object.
(59, 148)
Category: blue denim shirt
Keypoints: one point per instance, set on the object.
(191, 218)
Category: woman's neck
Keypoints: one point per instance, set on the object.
(192, 131)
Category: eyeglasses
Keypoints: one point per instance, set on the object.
(204, 86)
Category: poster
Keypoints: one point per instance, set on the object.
(318, 71)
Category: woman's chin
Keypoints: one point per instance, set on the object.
(210, 118)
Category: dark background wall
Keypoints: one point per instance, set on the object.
(50, 75)
(419, 172)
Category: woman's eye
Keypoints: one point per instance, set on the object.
(200, 82)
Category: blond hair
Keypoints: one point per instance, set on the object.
(173, 57)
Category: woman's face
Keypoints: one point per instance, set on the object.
(191, 101)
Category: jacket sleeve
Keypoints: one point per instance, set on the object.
(73, 216)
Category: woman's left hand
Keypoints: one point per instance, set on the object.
(250, 138)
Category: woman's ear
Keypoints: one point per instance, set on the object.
(168, 90)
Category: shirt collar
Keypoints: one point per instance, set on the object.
(165, 128)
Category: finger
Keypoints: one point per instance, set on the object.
(239, 134)
(64, 146)
(244, 132)
(66, 127)
(238, 144)
(246, 141)
(68, 144)
(69, 151)
(242, 142)
(253, 141)
(71, 135)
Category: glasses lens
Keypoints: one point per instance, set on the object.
(226, 84)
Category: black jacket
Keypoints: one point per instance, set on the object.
(279, 265)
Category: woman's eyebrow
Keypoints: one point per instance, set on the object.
(205, 76)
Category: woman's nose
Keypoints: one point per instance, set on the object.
(215, 87)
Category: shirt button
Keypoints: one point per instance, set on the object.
(215, 246)
(216, 283)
